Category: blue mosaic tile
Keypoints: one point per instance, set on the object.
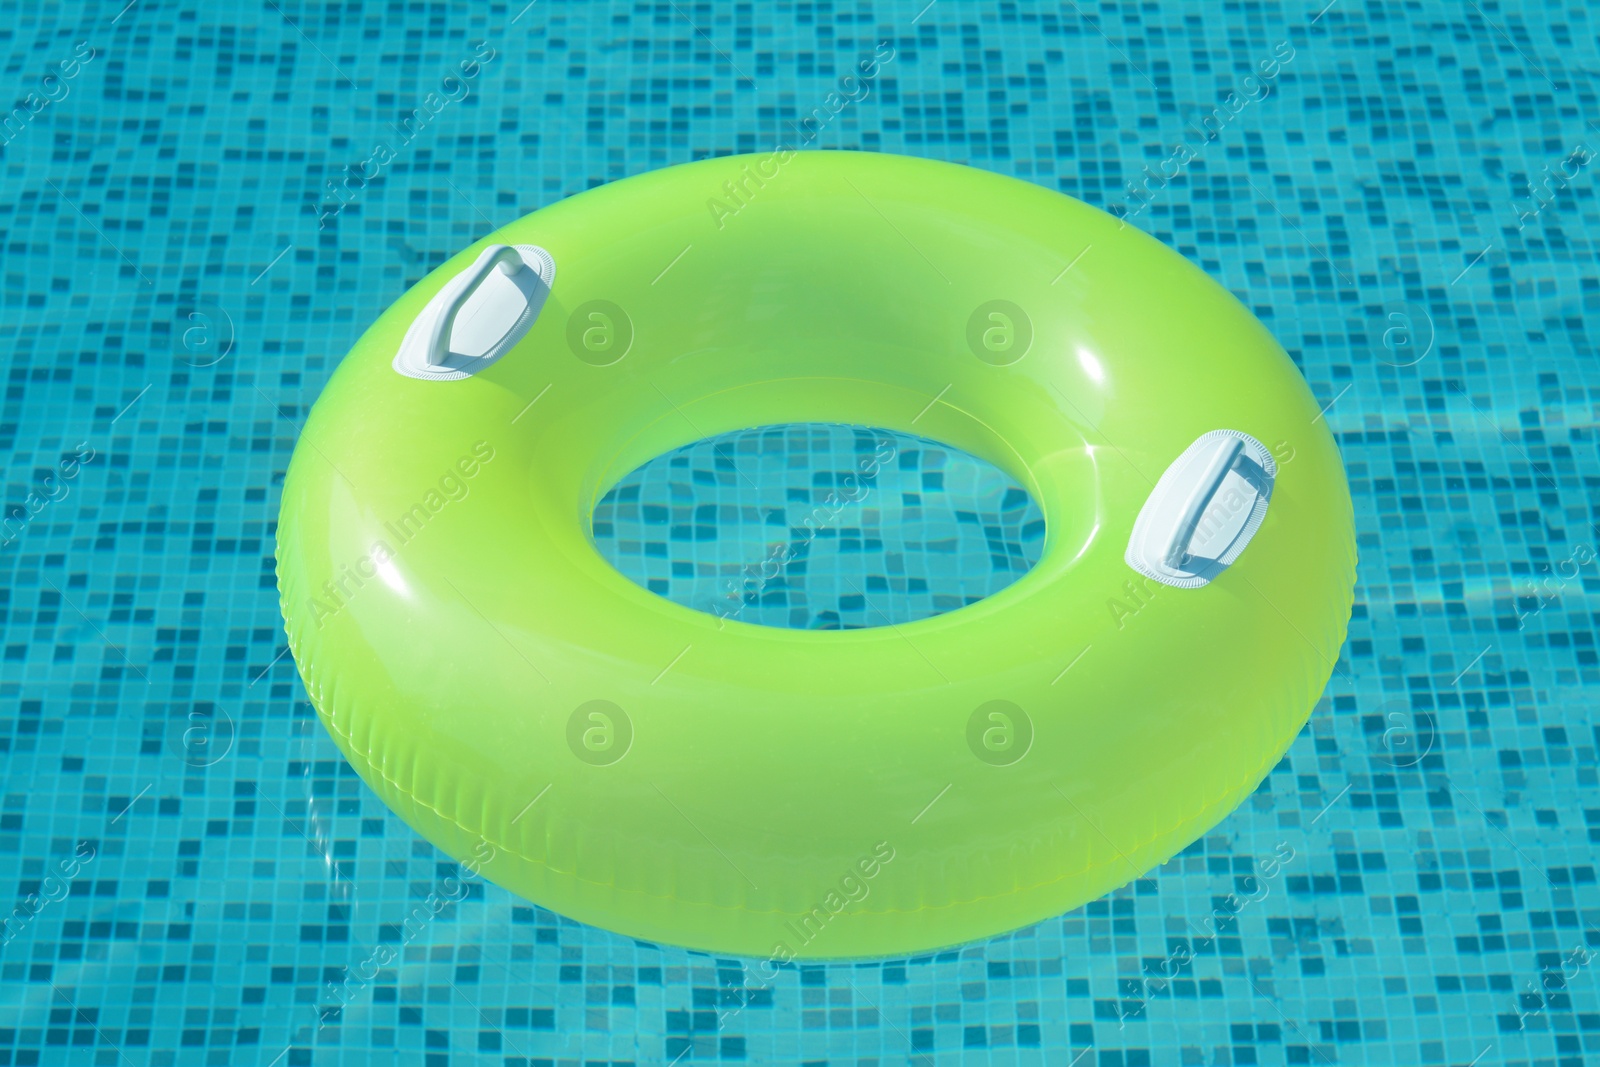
(819, 527)
(1404, 193)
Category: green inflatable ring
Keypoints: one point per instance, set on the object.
(679, 777)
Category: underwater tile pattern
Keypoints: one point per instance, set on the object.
(819, 527)
(1403, 192)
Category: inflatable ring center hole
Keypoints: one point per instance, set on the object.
(819, 526)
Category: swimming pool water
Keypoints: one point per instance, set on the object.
(1404, 193)
(819, 526)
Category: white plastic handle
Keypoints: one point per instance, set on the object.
(1203, 511)
(478, 315)
(508, 259)
(1199, 499)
